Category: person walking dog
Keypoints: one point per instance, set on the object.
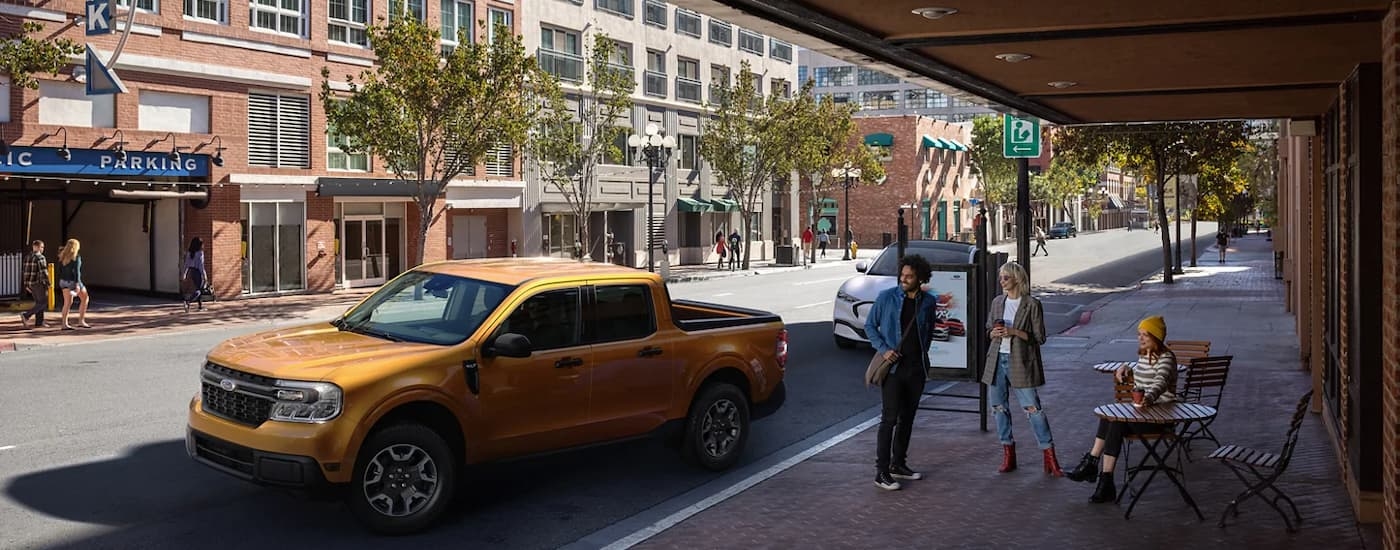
(1016, 323)
(898, 313)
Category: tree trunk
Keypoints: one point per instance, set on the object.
(1162, 225)
(581, 225)
(748, 244)
(425, 221)
(1193, 236)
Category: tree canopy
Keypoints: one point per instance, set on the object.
(996, 173)
(22, 56)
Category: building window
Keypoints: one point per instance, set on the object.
(802, 74)
(687, 22)
(338, 159)
(151, 6)
(879, 100)
(279, 130)
(841, 97)
(274, 244)
(688, 148)
(619, 153)
(625, 8)
(867, 77)
(402, 8)
(833, 76)
(500, 161)
(620, 60)
(347, 21)
(561, 235)
(777, 49)
(656, 73)
(719, 82)
(457, 17)
(561, 54)
(283, 16)
(500, 18)
(655, 13)
(212, 10)
(781, 87)
(721, 33)
(751, 42)
(688, 80)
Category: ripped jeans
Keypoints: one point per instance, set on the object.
(998, 394)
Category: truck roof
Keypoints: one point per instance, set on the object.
(517, 271)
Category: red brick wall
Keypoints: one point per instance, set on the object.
(874, 208)
(436, 249)
(1390, 101)
(320, 234)
(217, 225)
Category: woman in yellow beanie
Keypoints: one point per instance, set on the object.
(1155, 375)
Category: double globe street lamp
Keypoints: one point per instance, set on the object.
(850, 174)
(656, 146)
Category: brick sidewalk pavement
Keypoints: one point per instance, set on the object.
(829, 501)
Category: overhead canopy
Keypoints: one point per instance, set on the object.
(364, 187)
(942, 143)
(882, 139)
(954, 144)
(692, 205)
(1094, 61)
(724, 205)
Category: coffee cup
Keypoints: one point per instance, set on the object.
(1138, 397)
(999, 323)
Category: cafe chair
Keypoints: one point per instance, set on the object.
(1205, 383)
(1265, 469)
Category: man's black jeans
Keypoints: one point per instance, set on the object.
(901, 393)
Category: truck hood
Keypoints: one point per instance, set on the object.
(310, 352)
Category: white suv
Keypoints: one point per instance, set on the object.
(857, 295)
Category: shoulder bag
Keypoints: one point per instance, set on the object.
(879, 366)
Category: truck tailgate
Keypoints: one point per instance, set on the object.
(691, 316)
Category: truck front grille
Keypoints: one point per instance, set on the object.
(250, 401)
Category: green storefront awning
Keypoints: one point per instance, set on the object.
(932, 143)
(692, 205)
(724, 205)
(884, 140)
(955, 145)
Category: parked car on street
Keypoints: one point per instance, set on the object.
(857, 294)
(1063, 230)
(463, 362)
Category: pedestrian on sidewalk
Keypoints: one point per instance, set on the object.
(1155, 375)
(822, 240)
(720, 249)
(1040, 242)
(1221, 243)
(1017, 324)
(734, 240)
(896, 311)
(192, 269)
(36, 283)
(70, 280)
(807, 237)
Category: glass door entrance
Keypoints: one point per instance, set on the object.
(365, 259)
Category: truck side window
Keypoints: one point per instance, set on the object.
(623, 312)
(549, 319)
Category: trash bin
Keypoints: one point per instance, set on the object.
(886, 239)
(785, 254)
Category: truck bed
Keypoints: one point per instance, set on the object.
(691, 316)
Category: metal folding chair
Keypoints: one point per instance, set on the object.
(1205, 383)
(1265, 468)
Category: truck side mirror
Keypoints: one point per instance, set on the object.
(862, 266)
(508, 345)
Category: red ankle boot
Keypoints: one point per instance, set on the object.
(1052, 464)
(1008, 458)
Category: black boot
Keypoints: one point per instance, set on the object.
(1087, 470)
(1105, 491)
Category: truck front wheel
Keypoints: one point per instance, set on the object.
(404, 478)
(718, 426)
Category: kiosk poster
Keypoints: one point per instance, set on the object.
(951, 341)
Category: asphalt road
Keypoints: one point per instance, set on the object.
(92, 456)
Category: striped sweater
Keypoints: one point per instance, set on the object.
(1157, 379)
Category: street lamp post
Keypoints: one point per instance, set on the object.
(850, 174)
(656, 146)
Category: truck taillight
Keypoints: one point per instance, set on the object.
(782, 348)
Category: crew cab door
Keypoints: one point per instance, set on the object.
(635, 360)
(540, 402)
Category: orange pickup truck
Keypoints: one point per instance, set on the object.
(463, 362)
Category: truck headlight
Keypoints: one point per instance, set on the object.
(308, 402)
(844, 297)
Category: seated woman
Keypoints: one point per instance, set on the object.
(1155, 375)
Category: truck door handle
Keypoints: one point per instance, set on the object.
(650, 351)
(568, 362)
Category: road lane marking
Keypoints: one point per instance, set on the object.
(723, 294)
(672, 520)
(818, 281)
(828, 302)
(7, 447)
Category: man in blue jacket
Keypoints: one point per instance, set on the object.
(895, 309)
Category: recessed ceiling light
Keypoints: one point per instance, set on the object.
(935, 13)
(1062, 84)
(1013, 57)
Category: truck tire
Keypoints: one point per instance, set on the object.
(718, 426)
(405, 476)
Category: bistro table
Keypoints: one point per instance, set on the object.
(1109, 367)
(1176, 414)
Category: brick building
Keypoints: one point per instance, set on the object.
(231, 87)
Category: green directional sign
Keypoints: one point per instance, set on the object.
(1020, 137)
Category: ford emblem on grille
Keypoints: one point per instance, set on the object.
(227, 385)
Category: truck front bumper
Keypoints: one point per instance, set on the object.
(261, 467)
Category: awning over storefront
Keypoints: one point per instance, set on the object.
(943, 143)
(931, 142)
(881, 139)
(724, 205)
(1115, 203)
(692, 205)
(364, 187)
(954, 144)
(485, 195)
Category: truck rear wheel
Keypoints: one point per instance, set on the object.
(404, 478)
(718, 426)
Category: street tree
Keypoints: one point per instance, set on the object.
(1068, 178)
(22, 55)
(995, 173)
(831, 142)
(569, 143)
(1212, 153)
(429, 115)
(750, 142)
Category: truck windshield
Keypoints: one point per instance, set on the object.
(429, 308)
